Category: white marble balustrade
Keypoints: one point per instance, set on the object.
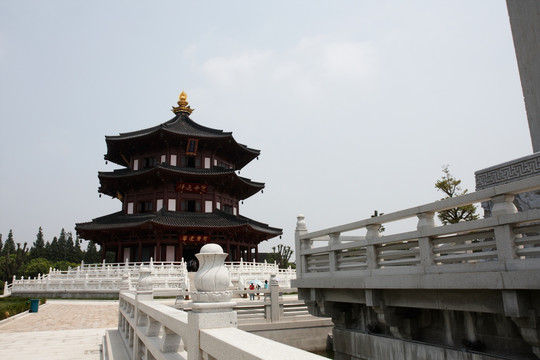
(506, 242)
(151, 330)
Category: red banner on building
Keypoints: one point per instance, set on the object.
(195, 238)
(191, 188)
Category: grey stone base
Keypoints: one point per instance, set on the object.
(352, 345)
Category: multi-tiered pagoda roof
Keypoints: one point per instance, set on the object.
(179, 189)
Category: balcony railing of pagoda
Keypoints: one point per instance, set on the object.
(152, 330)
(492, 248)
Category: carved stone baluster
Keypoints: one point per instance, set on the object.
(170, 342)
(152, 327)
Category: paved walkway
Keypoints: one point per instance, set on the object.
(61, 329)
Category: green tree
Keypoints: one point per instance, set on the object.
(449, 185)
(76, 254)
(53, 250)
(38, 248)
(10, 264)
(92, 255)
(9, 245)
(35, 267)
(281, 256)
(62, 246)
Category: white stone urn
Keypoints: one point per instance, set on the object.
(212, 279)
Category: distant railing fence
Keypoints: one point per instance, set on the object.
(170, 278)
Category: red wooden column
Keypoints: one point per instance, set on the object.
(179, 248)
(158, 249)
(119, 253)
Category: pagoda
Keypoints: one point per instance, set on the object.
(179, 190)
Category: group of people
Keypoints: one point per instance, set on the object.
(253, 287)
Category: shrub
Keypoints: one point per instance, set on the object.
(13, 306)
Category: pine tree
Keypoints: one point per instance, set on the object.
(449, 185)
(54, 252)
(9, 245)
(38, 248)
(92, 256)
(62, 246)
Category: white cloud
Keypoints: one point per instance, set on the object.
(310, 67)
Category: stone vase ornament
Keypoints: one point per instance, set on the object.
(145, 280)
(212, 279)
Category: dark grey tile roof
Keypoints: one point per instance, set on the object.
(215, 220)
(180, 124)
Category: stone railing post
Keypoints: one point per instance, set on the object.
(275, 306)
(300, 245)
(504, 236)
(144, 293)
(371, 253)
(332, 260)
(425, 221)
(212, 306)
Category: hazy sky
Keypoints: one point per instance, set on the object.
(355, 105)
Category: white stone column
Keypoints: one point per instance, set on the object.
(504, 236)
(425, 221)
(144, 293)
(371, 252)
(212, 306)
(332, 258)
(300, 245)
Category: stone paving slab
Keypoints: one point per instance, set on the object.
(66, 315)
(82, 344)
(61, 329)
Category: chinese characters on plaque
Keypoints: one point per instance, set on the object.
(194, 238)
(191, 188)
(192, 146)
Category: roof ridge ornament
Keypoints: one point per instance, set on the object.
(182, 104)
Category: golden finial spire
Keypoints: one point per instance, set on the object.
(182, 104)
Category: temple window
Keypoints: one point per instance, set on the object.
(192, 161)
(173, 160)
(136, 164)
(144, 206)
(163, 159)
(208, 206)
(130, 208)
(191, 206)
(149, 162)
(171, 205)
(159, 204)
(207, 163)
(228, 209)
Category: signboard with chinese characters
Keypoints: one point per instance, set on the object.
(192, 146)
(191, 188)
(195, 238)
